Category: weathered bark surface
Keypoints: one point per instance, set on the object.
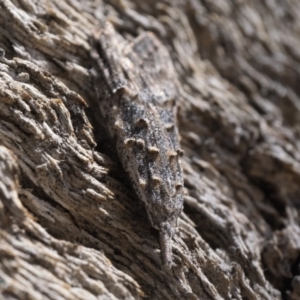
(73, 228)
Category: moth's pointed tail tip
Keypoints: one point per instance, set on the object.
(167, 265)
(166, 250)
(167, 260)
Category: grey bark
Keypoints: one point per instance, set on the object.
(71, 226)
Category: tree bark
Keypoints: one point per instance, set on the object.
(71, 226)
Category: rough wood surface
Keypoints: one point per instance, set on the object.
(73, 226)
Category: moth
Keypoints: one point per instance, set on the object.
(136, 91)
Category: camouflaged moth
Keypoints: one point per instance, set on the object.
(135, 84)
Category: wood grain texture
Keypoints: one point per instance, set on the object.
(74, 215)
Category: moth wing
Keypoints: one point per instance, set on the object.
(156, 70)
(159, 78)
(156, 80)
